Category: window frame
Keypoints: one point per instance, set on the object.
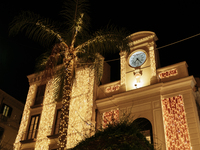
(6, 110)
(39, 96)
(57, 122)
(34, 129)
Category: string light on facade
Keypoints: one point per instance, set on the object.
(110, 117)
(46, 120)
(80, 110)
(123, 67)
(175, 124)
(25, 117)
(152, 58)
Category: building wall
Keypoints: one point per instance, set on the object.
(89, 102)
(81, 111)
(10, 124)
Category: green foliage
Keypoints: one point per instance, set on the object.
(71, 13)
(42, 30)
(123, 135)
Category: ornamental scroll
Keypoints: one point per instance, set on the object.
(175, 124)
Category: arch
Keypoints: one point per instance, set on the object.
(145, 126)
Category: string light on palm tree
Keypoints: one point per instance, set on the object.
(72, 45)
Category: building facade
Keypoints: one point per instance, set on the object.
(10, 116)
(165, 99)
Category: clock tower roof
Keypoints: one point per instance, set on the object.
(143, 35)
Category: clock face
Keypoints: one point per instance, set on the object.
(137, 59)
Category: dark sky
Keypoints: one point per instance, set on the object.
(171, 21)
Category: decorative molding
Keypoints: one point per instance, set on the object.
(141, 40)
(156, 104)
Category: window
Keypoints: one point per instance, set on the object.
(56, 129)
(33, 128)
(40, 94)
(6, 110)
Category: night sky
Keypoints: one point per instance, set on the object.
(171, 21)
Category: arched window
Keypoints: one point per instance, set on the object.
(146, 128)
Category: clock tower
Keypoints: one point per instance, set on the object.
(138, 67)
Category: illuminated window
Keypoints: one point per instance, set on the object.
(6, 110)
(33, 128)
(56, 129)
(40, 94)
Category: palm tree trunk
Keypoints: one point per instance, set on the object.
(67, 90)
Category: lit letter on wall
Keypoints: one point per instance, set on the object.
(167, 74)
(175, 124)
(112, 88)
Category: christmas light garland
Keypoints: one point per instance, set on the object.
(81, 104)
(175, 124)
(110, 117)
(25, 117)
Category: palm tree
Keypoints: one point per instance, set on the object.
(72, 43)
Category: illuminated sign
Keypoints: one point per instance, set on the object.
(112, 88)
(167, 74)
(175, 123)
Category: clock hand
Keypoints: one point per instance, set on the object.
(135, 60)
(139, 61)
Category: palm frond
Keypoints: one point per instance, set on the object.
(72, 11)
(98, 68)
(49, 60)
(41, 61)
(35, 27)
(58, 83)
(106, 40)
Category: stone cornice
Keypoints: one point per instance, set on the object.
(133, 43)
(146, 93)
(178, 85)
(141, 40)
(129, 96)
(36, 77)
